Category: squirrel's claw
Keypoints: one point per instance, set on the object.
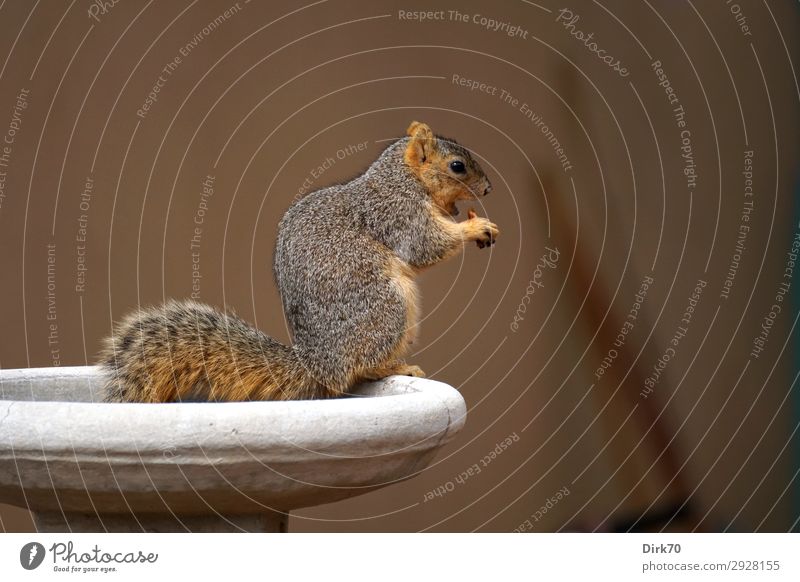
(488, 241)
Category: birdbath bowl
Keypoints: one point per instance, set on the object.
(83, 465)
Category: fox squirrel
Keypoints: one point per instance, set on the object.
(345, 264)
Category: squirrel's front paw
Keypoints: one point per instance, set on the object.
(484, 232)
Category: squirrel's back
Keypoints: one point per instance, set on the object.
(345, 288)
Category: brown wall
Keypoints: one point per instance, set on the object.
(280, 98)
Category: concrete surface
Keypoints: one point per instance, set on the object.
(84, 465)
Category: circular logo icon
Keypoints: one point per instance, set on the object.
(31, 555)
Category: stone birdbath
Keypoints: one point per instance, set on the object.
(83, 465)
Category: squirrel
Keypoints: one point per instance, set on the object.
(345, 264)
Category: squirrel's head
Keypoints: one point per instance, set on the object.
(446, 169)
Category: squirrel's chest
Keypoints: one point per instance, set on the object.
(403, 279)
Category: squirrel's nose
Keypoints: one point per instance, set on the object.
(488, 189)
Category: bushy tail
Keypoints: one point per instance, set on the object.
(187, 351)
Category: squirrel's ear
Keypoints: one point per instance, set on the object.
(421, 145)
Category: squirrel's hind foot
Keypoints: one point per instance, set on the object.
(397, 368)
(410, 370)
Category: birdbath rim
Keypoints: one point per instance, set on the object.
(64, 450)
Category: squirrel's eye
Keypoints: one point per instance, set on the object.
(458, 167)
